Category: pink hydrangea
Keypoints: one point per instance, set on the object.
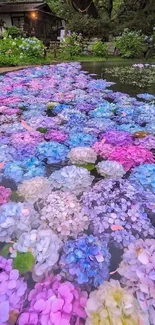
(4, 194)
(102, 149)
(23, 138)
(54, 302)
(131, 156)
(56, 135)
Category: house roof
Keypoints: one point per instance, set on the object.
(9, 7)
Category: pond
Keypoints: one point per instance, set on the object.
(77, 197)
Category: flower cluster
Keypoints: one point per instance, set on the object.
(82, 155)
(86, 259)
(23, 138)
(148, 142)
(137, 271)
(13, 289)
(55, 302)
(110, 169)
(34, 188)
(44, 244)
(52, 152)
(26, 169)
(71, 179)
(80, 140)
(117, 138)
(56, 135)
(115, 209)
(144, 176)
(112, 304)
(4, 194)
(103, 149)
(131, 156)
(63, 214)
(16, 218)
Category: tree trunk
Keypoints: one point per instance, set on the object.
(85, 7)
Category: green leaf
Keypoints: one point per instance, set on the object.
(42, 130)
(16, 198)
(87, 166)
(5, 250)
(23, 262)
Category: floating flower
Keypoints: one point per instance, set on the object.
(110, 169)
(118, 210)
(4, 194)
(62, 212)
(56, 302)
(71, 179)
(34, 188)
(82, 155)
(53, 152)
(13, 290)
(138, 274)
(111, 304)
(16, 218)
(86, 259)
(44, 244)
(131, 156)
(144, 176)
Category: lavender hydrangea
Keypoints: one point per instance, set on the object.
(117, 138)
(148, 142)
(44, 244)
(13, 289)
(4, 194)
(16, 218)
(86, 260)
(137, 271)
(71, 179)
(117, 206)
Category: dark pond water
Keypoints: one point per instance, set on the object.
(100, 67)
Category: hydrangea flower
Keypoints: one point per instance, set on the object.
(117, 138)
(131, 156)
(44, 244)
(63, 214)
(55, 302)
(34, 188)
(116, 208)
(103, 149)
(82, 155)
(71, 179)
(144, 176)
(137, 271)
(21, 170)
(110, 169)
(4, 194)
(16, 218)
(13, 289)
(8, 153)
(23, 138)
(80, 140)
(53, 152)
(86, 259)
(111, 304)
(148, 142)
(56, 135)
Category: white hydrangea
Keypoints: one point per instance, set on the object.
(82, 155)
(44, 244)
(62, 212)
(110, 169)
(71, 178)
(34, 188)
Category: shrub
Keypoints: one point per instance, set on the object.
(130, 44)
(100, 49)
(14, 32)
(71, 46)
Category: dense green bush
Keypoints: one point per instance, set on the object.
(14, 50)
(100, 49)
(72, 45)
(14, 32)
(130, 44)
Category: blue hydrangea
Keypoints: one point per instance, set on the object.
(81, 140)
(144, 176)
(53, 152)
(86, 259)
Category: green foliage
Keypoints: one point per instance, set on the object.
(23, 262)
(14, 32)
(71, 46)
(6, 250)
(130, 44)
(87, 166)
(100, 49)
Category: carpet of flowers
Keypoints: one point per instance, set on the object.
(77, 200)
